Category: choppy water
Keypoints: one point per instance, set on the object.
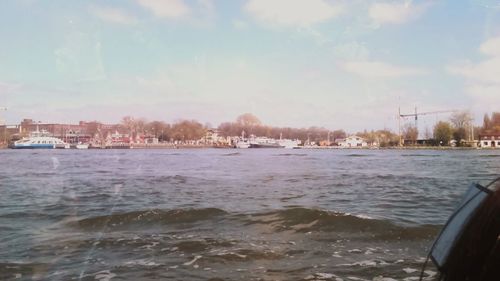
(220, 214)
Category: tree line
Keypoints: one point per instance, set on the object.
(459, 127)
(246, 124)
(181, 130)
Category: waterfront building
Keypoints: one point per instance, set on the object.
(353, 141)
(489, 140)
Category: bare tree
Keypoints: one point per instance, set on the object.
(462, 122)
(461, 119)
(410, 132)
(248, 120)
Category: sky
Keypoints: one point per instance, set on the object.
(338, 64)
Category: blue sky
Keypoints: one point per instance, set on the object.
(333, 63)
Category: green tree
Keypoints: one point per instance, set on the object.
(459, 134)
(443, 133)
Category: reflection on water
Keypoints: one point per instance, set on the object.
(227, 214)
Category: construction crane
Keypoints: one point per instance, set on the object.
(415, 115)
(4, 126)
(3, 109)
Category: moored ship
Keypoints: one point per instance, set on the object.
(39, 139)
(264, 142)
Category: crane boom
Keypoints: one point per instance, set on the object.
(416, 114)
(427, 113)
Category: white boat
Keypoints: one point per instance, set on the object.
(40, 139)
(287, 143)
(82, 146)
(264, 142)
(243, 144)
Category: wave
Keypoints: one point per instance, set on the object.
(153, 217)
(299, 219)
(291, 154)
(231, 154)
(489, 156)
(420, 155)
(295, 218)
(177, 179)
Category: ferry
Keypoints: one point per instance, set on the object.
(263, 142)
(40, 139)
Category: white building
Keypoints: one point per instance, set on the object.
(353, 141)
(489, 140)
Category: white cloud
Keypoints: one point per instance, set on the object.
(171, 9)
(291, 12)
(396, 12)
(482, 78)
(375, 69)
(487, 71)
(491, 47)
(113, 15)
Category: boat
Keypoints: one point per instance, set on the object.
(263, 142)
(40, 139)
(242, 144)
(288, 143)
(82, 146)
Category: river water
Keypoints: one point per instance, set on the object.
(224, 214)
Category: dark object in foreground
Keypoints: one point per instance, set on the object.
(468, 247)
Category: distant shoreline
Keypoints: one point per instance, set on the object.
(161, 147)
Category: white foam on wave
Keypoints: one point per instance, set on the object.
(104, 275)
(142, 262)
(323, 276)
(382, 278)
(365, 263)
(363, 216)
(409, 270)
(192, 261)
(356, 278)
